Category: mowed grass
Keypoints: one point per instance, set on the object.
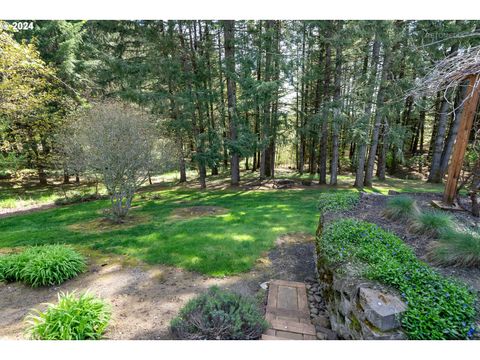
(217, 245)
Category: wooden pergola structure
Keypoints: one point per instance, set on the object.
(446, 74)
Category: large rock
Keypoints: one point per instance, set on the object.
(381, 309)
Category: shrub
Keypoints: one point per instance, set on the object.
(456, 248)
(78, 198)
(51, 265)
(72, 318)
(401, 207)
(431, 223)
(219, 315)
(337, 201)
(438, 307)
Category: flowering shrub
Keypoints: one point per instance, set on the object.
(437, 307)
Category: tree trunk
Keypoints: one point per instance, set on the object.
(42, 176)
(382, 155)
(362, 146)
(183, 170)
(322, 168)
(229, 34)
(265, 156)
(222, 105)
(435, 174)
(378, 119)
(336, 117)
(66, 177)
(452, 134)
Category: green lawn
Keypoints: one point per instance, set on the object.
(215, 245)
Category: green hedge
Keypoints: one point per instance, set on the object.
(437, 307)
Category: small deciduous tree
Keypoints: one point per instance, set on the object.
(117, 142)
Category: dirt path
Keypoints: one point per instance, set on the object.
(7, 212)
(145, 299)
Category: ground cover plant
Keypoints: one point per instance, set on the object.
(437, 307)
(82, 317)
(42, 265)
(217, 245)
(337, 200)
(219, 315)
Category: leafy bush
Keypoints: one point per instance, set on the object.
(337, 201)
(438, 307)
(72, 318)
(401, 207)
(219, 315)
(42, 265)
(431, 223)
(457, 248)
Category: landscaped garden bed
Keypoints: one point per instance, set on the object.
(374, 247)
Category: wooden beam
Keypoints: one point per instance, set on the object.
(466, 123)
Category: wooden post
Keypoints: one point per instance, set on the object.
(466, 123)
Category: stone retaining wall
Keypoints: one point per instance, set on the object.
(359, 309)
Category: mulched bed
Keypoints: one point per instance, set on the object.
(370, 208)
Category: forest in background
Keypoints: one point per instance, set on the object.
(322, 97)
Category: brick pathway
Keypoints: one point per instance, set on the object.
(287, 312)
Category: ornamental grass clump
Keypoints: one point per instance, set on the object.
(73, 318)
(432, 224)
(219, 315)
(456, 248)
(401, 207)
(437, 307)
